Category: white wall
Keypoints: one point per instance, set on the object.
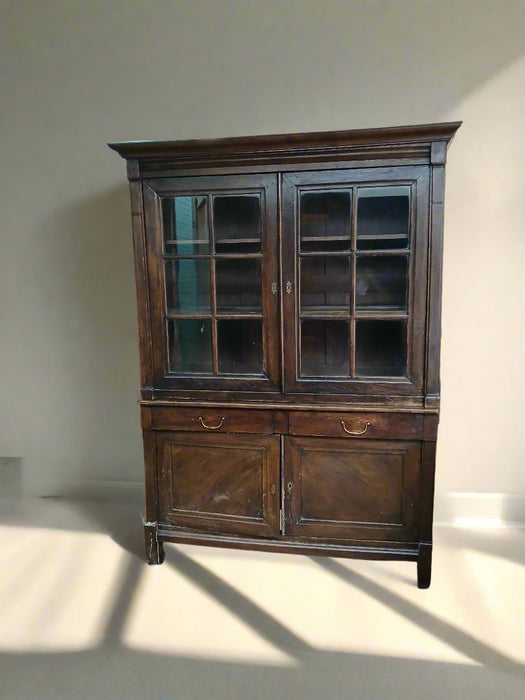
(78, 74)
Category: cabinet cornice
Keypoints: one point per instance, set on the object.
(411, 142)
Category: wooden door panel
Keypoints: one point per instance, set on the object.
(352, 489)
(227, 483)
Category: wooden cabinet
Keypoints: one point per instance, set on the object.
(289, 314)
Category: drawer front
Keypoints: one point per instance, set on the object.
(400, 426)
(209, 420)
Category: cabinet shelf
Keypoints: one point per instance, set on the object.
(233, 241)
(321, 239)
(385, 313)
(381, 236)
(189, 241)
(224, 314)
(325, 312)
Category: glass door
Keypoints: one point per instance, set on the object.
(212, 246)
(351, 245)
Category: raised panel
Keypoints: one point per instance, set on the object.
(362, 489)
(226, 483)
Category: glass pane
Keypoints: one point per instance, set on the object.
(325, 283)
(188, 286)
(190, 346)
(324, 349)
(382, 282)
(237, 222)
(238, 284)
(383, 218)
(240, 346)
(380, 348)
(185, 221)
(325, 221)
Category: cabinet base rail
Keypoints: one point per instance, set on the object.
(421, 553)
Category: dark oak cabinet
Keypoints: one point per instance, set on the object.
(289, 320)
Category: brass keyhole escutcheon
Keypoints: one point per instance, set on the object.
(273, 489)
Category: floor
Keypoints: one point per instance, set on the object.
(81, 616)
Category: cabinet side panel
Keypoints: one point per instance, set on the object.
(434, 283)
(141, 281)
(150, 476)
(428, 467)
(418, 293)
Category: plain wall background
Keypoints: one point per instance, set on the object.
(75, 75)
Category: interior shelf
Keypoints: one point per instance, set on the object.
(175, 241)
(233, 241)
(328, 239)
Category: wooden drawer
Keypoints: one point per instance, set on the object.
(400, 426)
(207, 420)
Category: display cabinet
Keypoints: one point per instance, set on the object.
(289, 323)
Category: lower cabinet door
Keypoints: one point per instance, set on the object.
(352, 489)
(227, 483)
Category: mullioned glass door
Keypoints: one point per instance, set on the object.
(354, 254)
(212, 244)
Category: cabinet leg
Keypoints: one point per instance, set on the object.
(424, 565)
(154, 549)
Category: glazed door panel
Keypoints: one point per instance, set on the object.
(223, 483)
(352, 488)
(213, 270)
(354, 278)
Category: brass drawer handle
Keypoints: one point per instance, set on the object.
(355, 432)
(212, 427)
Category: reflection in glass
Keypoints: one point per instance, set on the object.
(189, 342)
(185, 222)
(383, 218)
(382, 282)
(238, 283)
(325, 283)
(380, 348)
(240, 346)
(188, 286)
(325, 220)
(324, 348)
(237, 221)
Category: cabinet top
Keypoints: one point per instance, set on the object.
(400, 141)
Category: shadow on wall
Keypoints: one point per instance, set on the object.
(88, 349)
